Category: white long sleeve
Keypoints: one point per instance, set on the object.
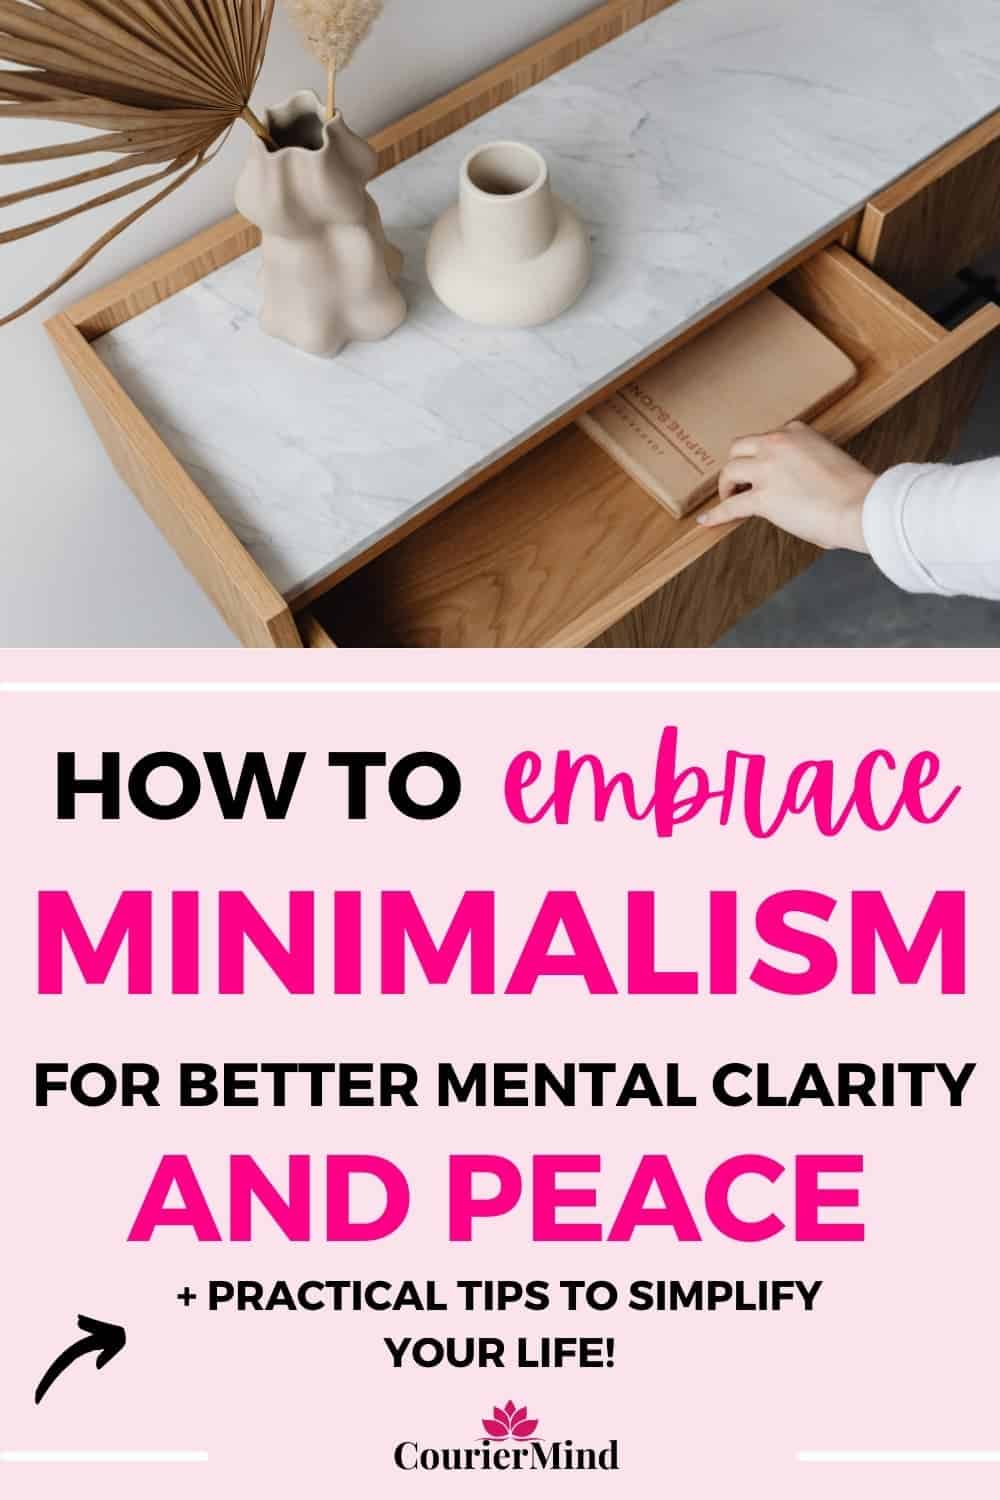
(935, 528)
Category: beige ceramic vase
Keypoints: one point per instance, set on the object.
(510, 253)
(329, 274)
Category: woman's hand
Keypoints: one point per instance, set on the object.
(799, 482)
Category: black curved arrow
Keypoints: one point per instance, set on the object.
(103, 1339)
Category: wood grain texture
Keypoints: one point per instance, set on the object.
(161, 278)
(243, 596)
(554, 553)
(561, 547)
(880, 330)
(938, 218)
(514, 76)
(313, 634)
(844, 422)
(925, 427)
(698, 606)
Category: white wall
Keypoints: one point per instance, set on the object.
(79, 563)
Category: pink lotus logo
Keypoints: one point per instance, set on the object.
(508, 1422)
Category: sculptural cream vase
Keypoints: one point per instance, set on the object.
(509, 254)
(329, 276)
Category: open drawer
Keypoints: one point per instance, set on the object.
(939, 218)
(563, 544)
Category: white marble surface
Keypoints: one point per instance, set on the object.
(702, 148)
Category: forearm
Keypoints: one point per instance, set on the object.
(934, 529)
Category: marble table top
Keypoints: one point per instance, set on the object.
(702, 148)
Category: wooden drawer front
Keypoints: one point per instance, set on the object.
(938, 219)
(563, 545)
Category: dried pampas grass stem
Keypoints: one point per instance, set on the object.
(333, 30)
(160, 83)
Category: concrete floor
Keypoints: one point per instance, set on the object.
(843, 600)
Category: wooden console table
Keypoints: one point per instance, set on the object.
(515, 530)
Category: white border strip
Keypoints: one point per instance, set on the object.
(902, 1456)
(83, 1456)
(535, 689)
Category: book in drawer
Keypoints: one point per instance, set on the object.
(761, 368)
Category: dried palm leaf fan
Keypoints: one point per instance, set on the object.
(161, 82)
(333, 30)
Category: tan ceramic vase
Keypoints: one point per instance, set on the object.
(329, 274)
(510, 253)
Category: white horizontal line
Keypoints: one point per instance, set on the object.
(85, 1456)
(538, 689)
(903, 1456)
